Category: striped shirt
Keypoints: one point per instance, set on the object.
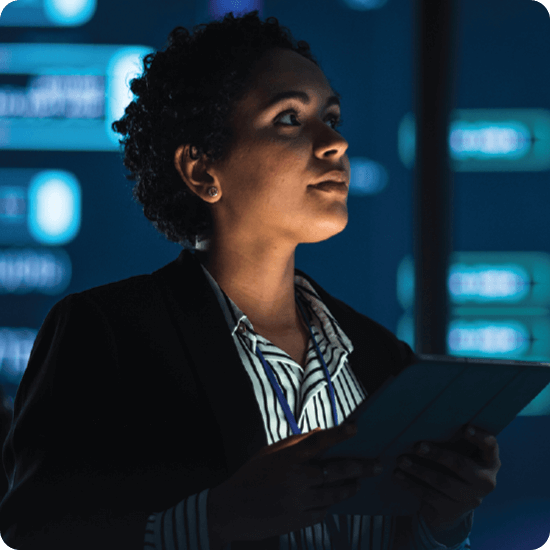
(185, 527)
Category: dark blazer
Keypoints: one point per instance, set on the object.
(134, 398)
(6, 416)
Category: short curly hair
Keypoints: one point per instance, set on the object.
(185, 95)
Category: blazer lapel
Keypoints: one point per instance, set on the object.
(215, 360)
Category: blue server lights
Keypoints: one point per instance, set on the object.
(218, 8)
(500, 307)
(54, 207)
(489, 140)
(71, 95)
(39, 207)
(48, 13)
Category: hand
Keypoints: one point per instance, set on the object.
(282, 487)
(452, 483)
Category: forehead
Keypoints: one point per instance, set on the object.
(280, 70)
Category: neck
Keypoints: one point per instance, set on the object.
(259, 280)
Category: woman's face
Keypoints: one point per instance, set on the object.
(279, 151)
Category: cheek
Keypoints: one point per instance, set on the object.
(269, 171)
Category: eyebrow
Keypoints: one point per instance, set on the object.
(302, 96)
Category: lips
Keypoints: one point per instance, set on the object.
(328, 184)
(332, 187)
(335, 176)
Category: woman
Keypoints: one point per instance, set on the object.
(141, 420)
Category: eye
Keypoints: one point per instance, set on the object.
(336, 119)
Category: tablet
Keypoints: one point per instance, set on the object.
(431, 400)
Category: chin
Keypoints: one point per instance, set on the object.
(326, 231)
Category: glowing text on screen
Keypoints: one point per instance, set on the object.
(499, 303)
(493, 339)
(486, 283)
(41, 271)
(488, 140)
(488, 278)
(64, 96)
(71, 95)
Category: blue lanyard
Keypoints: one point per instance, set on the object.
(338, 538)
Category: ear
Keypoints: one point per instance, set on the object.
(195, 174)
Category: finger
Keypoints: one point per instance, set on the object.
(486, 443)
(460, 466)
(323, 439)
(477, 478)
(430, 484)
(407, 479)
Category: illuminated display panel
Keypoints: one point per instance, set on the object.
(499, 307)
(40, 210)
(39, 206)
(489, 140)
(64, 96)
(48, 13)
(52, 97)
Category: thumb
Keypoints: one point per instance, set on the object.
(284, 443)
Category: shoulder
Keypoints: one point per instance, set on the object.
(139, 302)
(131, 290)
(126, 293)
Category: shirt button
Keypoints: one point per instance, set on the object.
(241, 328)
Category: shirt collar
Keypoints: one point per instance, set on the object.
(323, 319)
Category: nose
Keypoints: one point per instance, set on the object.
(336, 149)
